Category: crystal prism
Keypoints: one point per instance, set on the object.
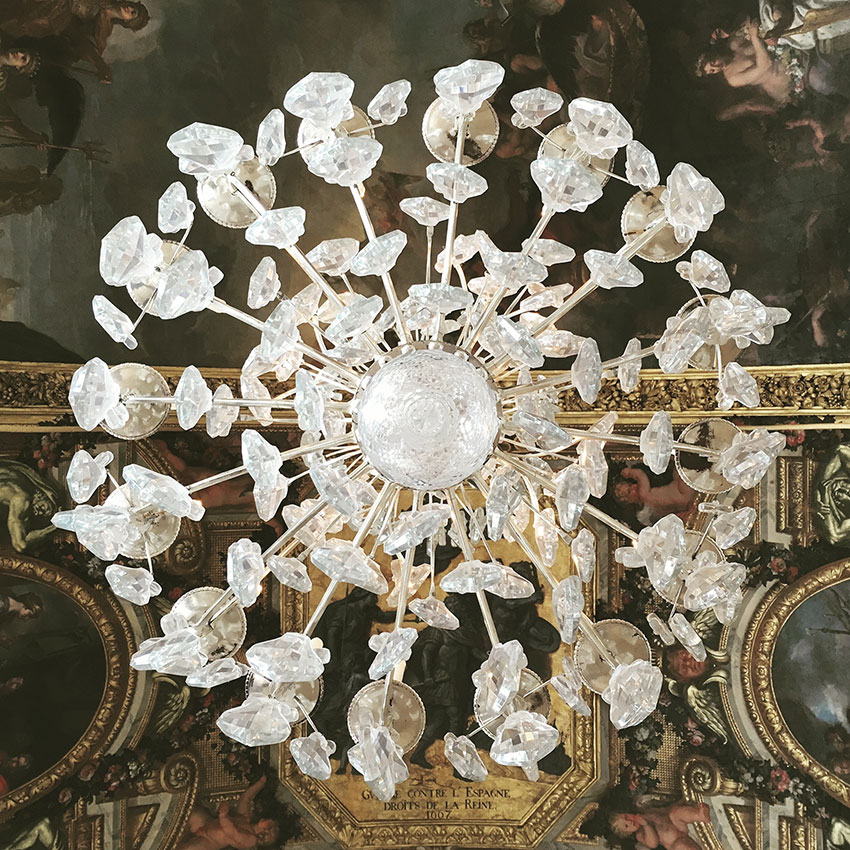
(551, 296)
(711, 583)
(546, 536)
(690, 202)
(288, 658)
(261, 459)
(463, 756)
(586, 371)
(456, 183)
(220, 417)
(345, 161)
(271, 138)
(86, 473)
(522, 740)
(571, 495)
(656, 441)
(425, 211)
(344, 562)
(216, 673)
(533, 106)
(471, 576)
(598, 127)
(205, 149)
(413, 527)
(502, 500)
(93, 393)
(281, 228)
(583, 554)
(334, 256)
(559, 343)
(134, 584)
(178, 654)
(633, 692)
(732, 527)
(245, 570)
(309, 402)
(511, 585)
(686, 635)
(747, 460)
(390, 103)
(610, 271)
(392, 648)
(550, 252)
(291, 572)
(354, 318)
(440, 299)
(565, 184)
(567, 605)
(497, 680)
(705, 272)
(175, 211)
(185, 285)
(465, 87)
(641, 167)
(193, 398)
(162, 491)
(342, 492)
(116, 323)
(568, 687)
(737, 384)
(380, 255)
(264, 284)
(417, 575)
(628, 373)
(379, 759)
(280, 332)
(321, 97)
(434, 612)
(312, 755)
(660, 628)
(259, 721)
(517, 342)
(128, 254)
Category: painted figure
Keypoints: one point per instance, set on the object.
(30, 501)
(666, 827)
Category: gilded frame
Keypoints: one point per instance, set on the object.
(756, 663)
(116, 635)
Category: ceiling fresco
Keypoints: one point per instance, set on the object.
(749, 749)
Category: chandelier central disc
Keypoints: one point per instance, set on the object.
(427, 418)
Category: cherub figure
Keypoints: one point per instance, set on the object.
(634, 487)
(667, 827)
(231, 829)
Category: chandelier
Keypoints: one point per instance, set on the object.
(415, 413)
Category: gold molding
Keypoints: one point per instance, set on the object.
(756, 665)
(34, 396)
(116, 635)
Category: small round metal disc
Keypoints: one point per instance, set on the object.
(642, 209)
(439, 131)
(625, 640)
(136, 379)
(225, 206)
(141, 292)
(224, 638)
(358, 126)
(695, 543)
(405, 717)
(539, 702)
(695, 470)
(705, 357)
(303, 695)
(161, 528)
(560, 143)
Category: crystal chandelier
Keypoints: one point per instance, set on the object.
(409, 407)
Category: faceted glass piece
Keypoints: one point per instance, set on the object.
(565, 184)
(471, 576)
(280, 228)
(559, 343)
(732, 527)
(390, 103)
(690, 202)
(178, 654)
(309, 402)
(463, 756)
(434, 612)
(128, 254)
(392, 648)
(628, 373)
(455, 182)
(440, 299)
(511, 585)
(193, 398)
(134, 584)
(93, 393)
(712, 582)
(633, 692)
(641, 167)
(686, 635)
(342, 492)
(86, 474)
(663, 550)
(353, 319)
(204, 149)
(220, 417)
(264, 284)
(598, 127)
(705, 272)
(583, 554)
(321, 97)
(291, 572)
(418, 574)
(261, 459)
(680, 341)
(175, 211)
(334, 256)
(546, 536)
(347, 563)
(591, 457)
(162, 491)
(747, 460)
(568, 687)
(345, 161)
(509, 267)
(609, 271)
(185, 285)
(550, 252)
(116, 323)
(533, 106)
(216, 673)
(104, 531)
(551, 296)
(497, 680)
(380, 255)
(312, 755)
(271, 139)
(502, 500)
(260, 721)
(660, 628)
(414, 527)
(465, 87)
(463, 248)
(571, 496)
(656, 441)
(586, 371)
(567, 605)
(522, 740)
(280, 332)
(737, 384)
(288, 658)
(517, 342)
(245, 570)
(426, 211)
(379, 759)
